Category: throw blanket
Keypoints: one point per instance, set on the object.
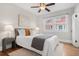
(38, 42)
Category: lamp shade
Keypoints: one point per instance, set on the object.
(9, 30)
(8, 27)
(37, 28)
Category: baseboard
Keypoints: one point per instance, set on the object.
(66, 41)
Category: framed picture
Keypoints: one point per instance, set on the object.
(20, 18)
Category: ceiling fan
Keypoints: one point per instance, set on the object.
(43, 6)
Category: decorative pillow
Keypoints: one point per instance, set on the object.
(27, 32)
(33, 32)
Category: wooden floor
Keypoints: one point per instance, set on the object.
(69, 50)
(5, 53)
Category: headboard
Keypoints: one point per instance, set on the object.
(16, 32)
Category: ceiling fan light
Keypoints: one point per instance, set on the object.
(42, 8)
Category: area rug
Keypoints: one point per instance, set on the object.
(23, 52)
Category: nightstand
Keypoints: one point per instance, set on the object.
(6, 41)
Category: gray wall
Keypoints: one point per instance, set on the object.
(64, 36)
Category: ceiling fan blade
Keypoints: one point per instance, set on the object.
(47, 9)
(39, 10)
(50, 4)
(35, 7)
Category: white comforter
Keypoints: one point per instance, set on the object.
(49, 45)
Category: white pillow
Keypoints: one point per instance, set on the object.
(34, 32)
(21, 31)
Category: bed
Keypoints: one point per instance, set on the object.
(49, 47)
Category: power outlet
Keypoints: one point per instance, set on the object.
(75, 41)
(75, 15)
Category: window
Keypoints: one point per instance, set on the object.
(58, 23)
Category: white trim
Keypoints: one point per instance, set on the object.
(66, 41)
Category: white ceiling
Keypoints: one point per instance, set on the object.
(53, 8)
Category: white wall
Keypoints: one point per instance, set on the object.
(9, 14)
(64, 36)
(76, 8)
